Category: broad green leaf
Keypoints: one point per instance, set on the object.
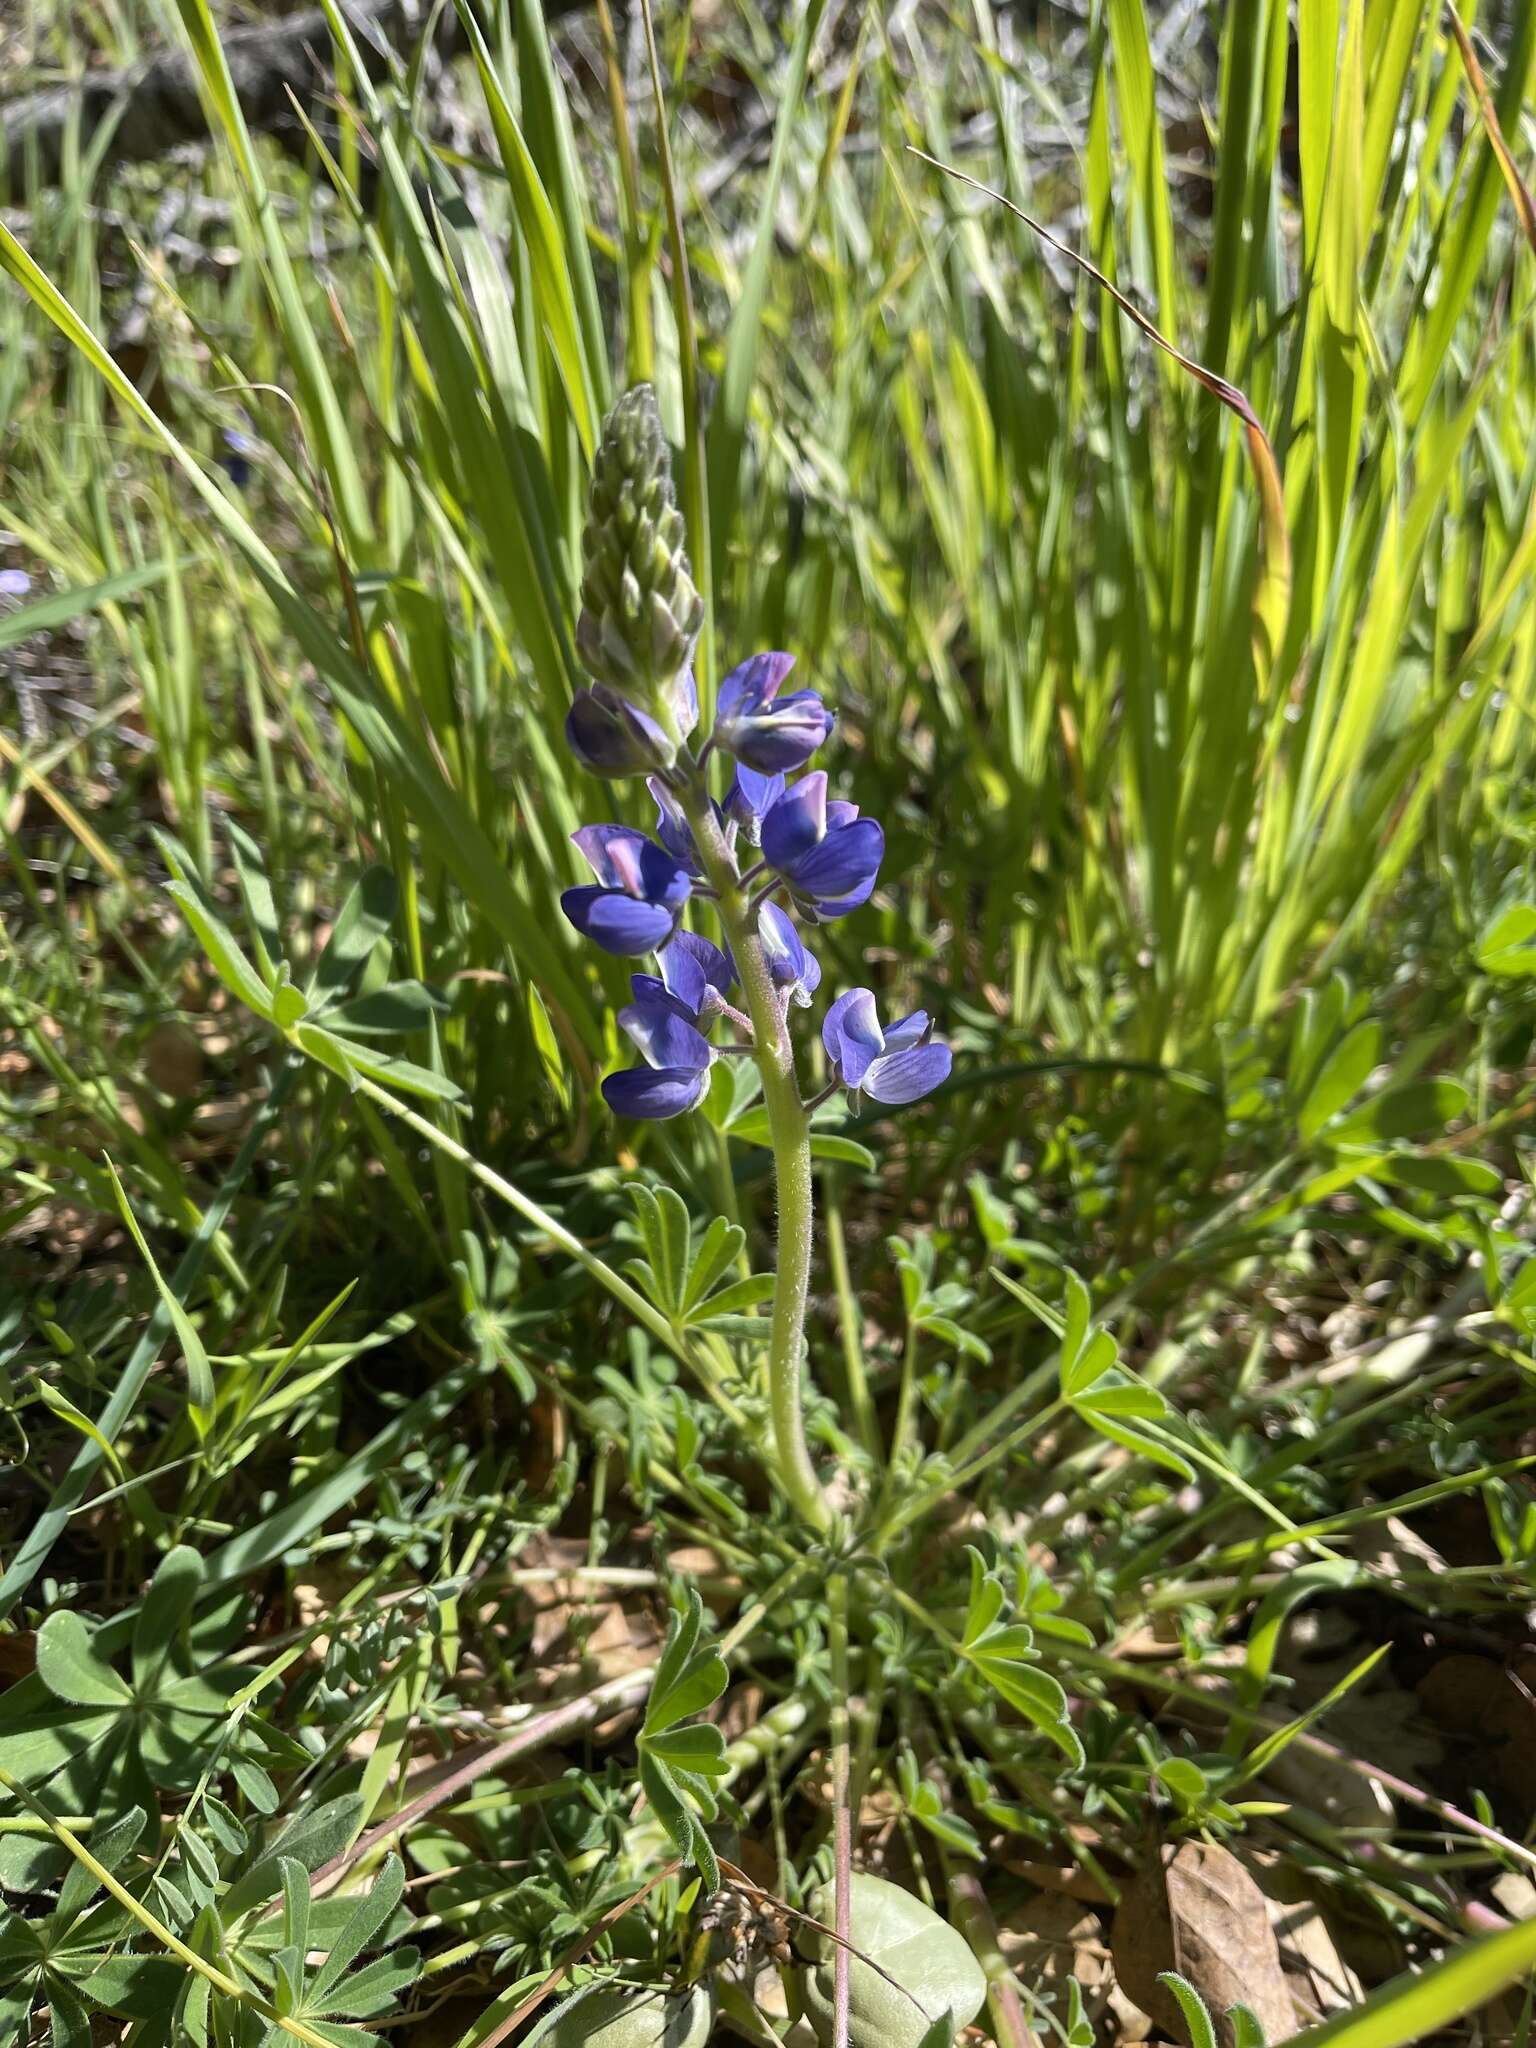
(1508, 944)
(1413, 1110)
(1076, 1313)
(1090, 1363)
(399, 1007)
(1133, 1439)
(167, 1604)
(256, 893)
(1034, 1694)
(986, 1601)
(68, 1663)
(1125, 1397)
(699, 1747)
(738, 1297)
(1344, 1074)
(224, 956)
(718, 1251)
(363, 920)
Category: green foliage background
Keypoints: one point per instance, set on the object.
(1210, 843)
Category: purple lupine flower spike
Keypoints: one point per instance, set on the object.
(793, 967)
(768, 732)
(826, 852)
(639, 895)
(895, 1066)
(611, 737)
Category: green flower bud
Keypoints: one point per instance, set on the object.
(640, 613)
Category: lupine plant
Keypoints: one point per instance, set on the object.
(764, 852)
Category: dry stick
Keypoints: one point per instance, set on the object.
(1518, 190)
(573, 1954)
(451, 1778)
(842, 1816)
(569, 1719)
(1272, 595)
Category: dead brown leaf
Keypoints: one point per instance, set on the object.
(1491, 1706)
(1052, 1937)
(1320, 1980)
(1194, 1908)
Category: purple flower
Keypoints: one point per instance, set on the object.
(826, 852)
(672, 828)
(612, 737)
(898, 1065)
(239, 448)
(678, 1058)
(663, 1020)
(751, 797)
(640, 894)
(794, 969)
(695, 977)
(769, 732)
(14, 583)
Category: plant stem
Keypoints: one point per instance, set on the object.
(848, 1322)
(842, 1804)
(789, 1134)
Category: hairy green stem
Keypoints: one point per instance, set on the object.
(789, 1134)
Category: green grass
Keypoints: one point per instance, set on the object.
(1209, 844)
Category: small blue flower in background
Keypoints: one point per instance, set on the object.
(762, 729)
(894, 1066)
(15, 584)
(611, 737)
(238, 450)
(639, 895)
(826, 852)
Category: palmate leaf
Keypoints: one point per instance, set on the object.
(1002, 1652)
(677, 1764)
(688, 1678)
